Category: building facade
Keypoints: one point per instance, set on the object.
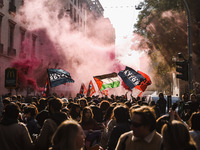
(12, 35)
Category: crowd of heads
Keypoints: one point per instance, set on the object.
(73, 116)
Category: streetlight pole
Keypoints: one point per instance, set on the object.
(189, 40)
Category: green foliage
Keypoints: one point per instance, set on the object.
(164, 24)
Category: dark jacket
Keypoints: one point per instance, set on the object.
(117, 131)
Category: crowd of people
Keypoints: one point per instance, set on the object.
(98, 123)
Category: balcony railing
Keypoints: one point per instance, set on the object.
(1, 48)
(12, 8)
(11, 51)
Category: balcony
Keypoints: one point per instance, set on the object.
(12, 8)
(1, 48)
(1, 3)
(11, 51)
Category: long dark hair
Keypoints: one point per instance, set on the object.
(83, 118)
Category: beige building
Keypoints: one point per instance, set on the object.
(12, 35)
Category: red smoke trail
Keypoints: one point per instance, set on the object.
(26, 64)
(25, 68)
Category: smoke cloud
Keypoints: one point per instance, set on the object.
(82, 54)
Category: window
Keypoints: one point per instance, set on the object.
(74, 15)
(22, 32)
(12, 7)
(1, 45)
(1, 16)
(71, 7)
(1, 3)
(11, 51)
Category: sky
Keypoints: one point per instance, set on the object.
(122, 14)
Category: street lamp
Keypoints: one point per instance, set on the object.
(189, 40)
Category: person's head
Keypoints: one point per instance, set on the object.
(82, 102)
(121, 114)
(6, 101)
(104, 105)
(87, 114)
(161, 121)
(14, 97)
(75, 111)
(19, 98)
(143, 121)
(54, 105)
(153, 103)
(76, 108)
(185, 97)
(30, 111)
(109, 113)
(193, 97)
(43, 102)
(161, 95)
(12, 111)
(69, 135)
(98, 116)
(176, 136)
(194, 121)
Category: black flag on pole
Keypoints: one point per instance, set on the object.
(58, 77)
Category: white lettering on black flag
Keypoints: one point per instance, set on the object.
(130, 77)
(58, 77)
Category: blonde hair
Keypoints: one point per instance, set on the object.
(176, 136)
(65, 135)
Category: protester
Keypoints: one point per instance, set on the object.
(176, 137)
(98, 115)
(30, 113)
(172, 115)
(56, 117)
(68, 136)
(6, 101)
(95, 112)
(82, 102)
(108, 114)
(13, 134)
(161, 103)
(121, 114)
(104, 105)
(42, 104)
(75, 112)
(90, 127)
(87, 122)
(106, 134)
(156, 109)
(194, 123)
(143, 135)
(193, 104)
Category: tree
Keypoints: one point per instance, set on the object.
(164, 25)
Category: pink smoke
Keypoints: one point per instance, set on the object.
(83, 54)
